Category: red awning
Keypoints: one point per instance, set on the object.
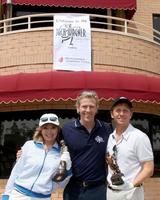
(30, 87)
(128, 5)
(115, 4)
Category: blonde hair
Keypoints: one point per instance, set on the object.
(38, 134)
(87, 94)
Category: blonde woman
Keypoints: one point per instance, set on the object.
(32, 175)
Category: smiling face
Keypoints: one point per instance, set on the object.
(87, 109)
(49, 133)
(121, 114)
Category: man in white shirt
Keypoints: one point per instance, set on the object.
(129, 154)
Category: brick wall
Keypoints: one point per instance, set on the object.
(152, 191)
(124, 54)
(26, 52)
(151, 186)
(33, 51)
(144, 11)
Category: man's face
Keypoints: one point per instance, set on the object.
(87, 109)
(121, 114)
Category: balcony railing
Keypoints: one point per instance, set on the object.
(98, 23)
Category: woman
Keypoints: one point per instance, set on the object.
(32, 175)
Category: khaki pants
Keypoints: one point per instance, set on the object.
(136, 193)
(18, 196)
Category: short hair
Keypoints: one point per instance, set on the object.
(90, 94)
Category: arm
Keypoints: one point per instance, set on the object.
(63, 183)
(67, 173)
(147, 171)
(145, 155)
(10, 183)
(14, 174)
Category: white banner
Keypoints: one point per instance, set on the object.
(72, 42)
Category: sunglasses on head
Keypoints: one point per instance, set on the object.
(52, 119)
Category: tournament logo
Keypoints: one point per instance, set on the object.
(99, 139)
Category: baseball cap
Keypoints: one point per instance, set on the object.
(120, 100)
(49, 118)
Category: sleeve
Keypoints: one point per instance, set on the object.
(144, 149)
(15, 172)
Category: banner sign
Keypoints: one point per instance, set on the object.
(72, 42)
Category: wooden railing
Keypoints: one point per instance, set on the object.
(98, 23)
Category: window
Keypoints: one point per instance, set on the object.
(156, 26)
(150, 125)
(96, 22)
(155, 132)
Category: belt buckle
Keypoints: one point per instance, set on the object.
(84, 184)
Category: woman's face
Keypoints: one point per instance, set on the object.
(49, 133)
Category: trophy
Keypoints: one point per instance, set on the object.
(61, 173)
(116, 177)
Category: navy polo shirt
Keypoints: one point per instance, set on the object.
(87, 150)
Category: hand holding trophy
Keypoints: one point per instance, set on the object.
(62, 170)
(116, 178)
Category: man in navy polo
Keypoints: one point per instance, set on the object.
(86, 139)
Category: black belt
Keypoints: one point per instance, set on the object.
(88, 183)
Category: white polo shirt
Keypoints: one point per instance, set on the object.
(133, 148)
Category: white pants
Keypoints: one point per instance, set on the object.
(15, 195)
(136, 193)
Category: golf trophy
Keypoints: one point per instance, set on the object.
(116, 177)
(61, 173)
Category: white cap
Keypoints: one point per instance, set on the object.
(49, 118)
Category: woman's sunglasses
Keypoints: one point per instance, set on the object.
(52, 119)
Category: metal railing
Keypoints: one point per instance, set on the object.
(98, 23)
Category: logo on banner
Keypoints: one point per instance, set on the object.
(69, 32)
